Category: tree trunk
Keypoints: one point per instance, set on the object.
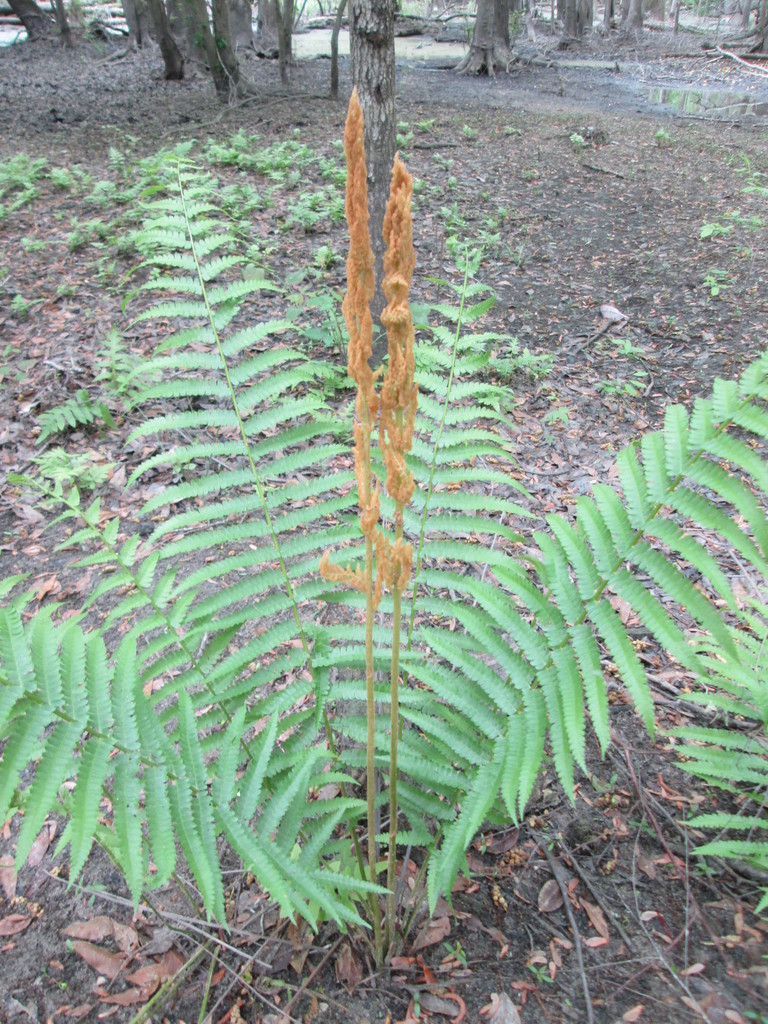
(335, 49)
(633, 25)
(172, 55)
(137, 18)
(607, 14)
(226, 71)
(284, 14)
(490, 41)
(186, 28)
(372, 48)
(762, 25)
(35, 21)
(62, 22)
(266, 29)
(571, 25)
(241, 23)
(745, 12)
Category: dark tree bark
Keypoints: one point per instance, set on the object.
(172, 55)
(284, 15)
(490, 40)
(607, 14)
(226, 71)
(335, 49)
(37, 23)
(62, 22)
(372, 49)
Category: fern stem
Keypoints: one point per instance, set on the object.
(371, 745)
(394, 728)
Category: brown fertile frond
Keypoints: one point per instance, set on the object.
(360, 280)
(399, 392)
(354, 578)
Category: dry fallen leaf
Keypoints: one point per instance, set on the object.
(634, 1014)
(15, 923)
(596, 918)
(501, 1010)
(108, 964)
(96, 929)
(8, 877)
(40, 846)
(434, 931)
(550, 897)
(693, 969)
(77, 1012)
(349, 970)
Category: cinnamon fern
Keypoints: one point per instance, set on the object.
(241, 684)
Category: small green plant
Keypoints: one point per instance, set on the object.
(531, 174)
(712, 229)
(78, 411)
(579, 143)
(663, 138)
(20, 307)
(510, 131)
(404, 135)
(311, 209)
(33, 244)
(716, 280)
(626, 347)
(469, 133)
(629, 387)
(326, 257)
(426, 125)
(64, 469)
(86, 232)
(558, 414)
(18, 177)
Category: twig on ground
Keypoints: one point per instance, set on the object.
(587, 881)
(757, 72)
(576, 934)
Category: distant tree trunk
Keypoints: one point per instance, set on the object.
(137, 18)
(372, 49)
(183, 18)
(571, 24)
(490, 40)
(746, 10)
(37, 23)
(335, 49)
(633, 23)
(62, 22)
(607, 14)
(226, 71)
(172, 55)
(284, 14)
(762, 25)
(266, 29)
(241, 22)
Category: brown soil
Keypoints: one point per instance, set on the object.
(616, 221)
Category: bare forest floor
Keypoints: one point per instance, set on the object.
(567, 226)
